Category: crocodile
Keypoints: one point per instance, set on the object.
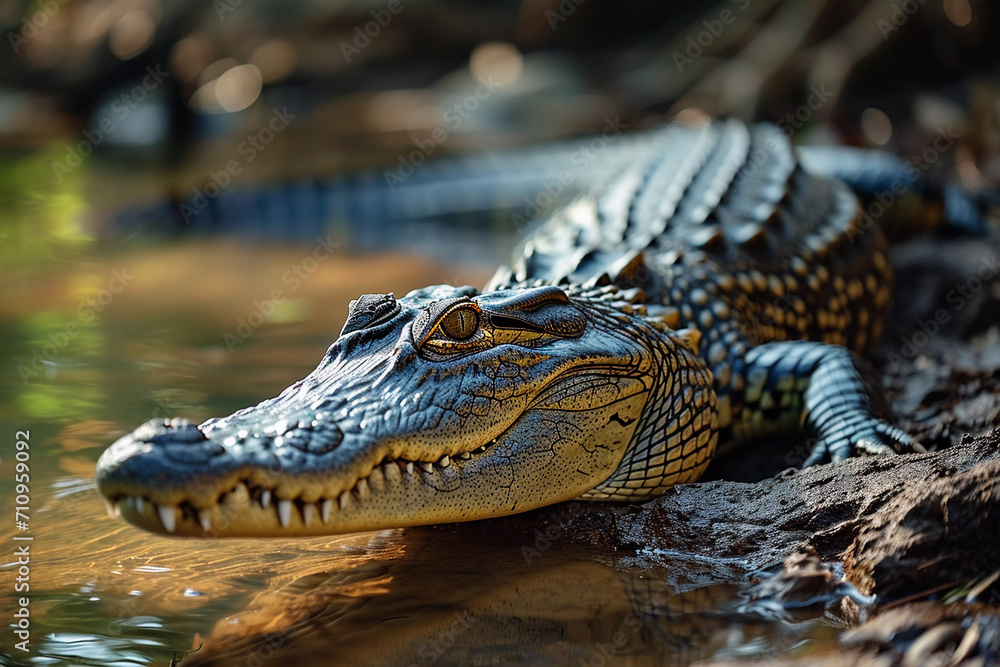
(719, 286)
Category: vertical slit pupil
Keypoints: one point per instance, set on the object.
(460, 324)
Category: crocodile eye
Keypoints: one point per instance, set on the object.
(460, 324)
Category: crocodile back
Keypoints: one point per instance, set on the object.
(723, 230)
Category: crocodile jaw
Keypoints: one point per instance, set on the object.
(517, 471)
(387, 434)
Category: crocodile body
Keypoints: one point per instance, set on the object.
(709, 289)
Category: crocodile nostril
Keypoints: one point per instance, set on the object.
(192, 452)
(158, 431)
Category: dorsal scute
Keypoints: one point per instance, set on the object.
(724, 193)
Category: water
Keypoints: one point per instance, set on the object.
(98, 336)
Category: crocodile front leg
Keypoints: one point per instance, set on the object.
(826, 391)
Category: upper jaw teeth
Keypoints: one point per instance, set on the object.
(324, 508)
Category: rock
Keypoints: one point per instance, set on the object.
(945, 531)
(830, 507)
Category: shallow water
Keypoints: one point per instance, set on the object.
(97, 337)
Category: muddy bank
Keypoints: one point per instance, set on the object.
(906, 549)
(885, 518)
(888, 515)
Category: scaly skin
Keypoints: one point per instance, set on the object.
(714, 290)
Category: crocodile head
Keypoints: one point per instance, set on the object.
(443, 406)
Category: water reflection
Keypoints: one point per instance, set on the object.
(473, 599)
(105, 593)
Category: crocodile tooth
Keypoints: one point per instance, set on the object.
(426, 467)
(308, 512)
(205, 518)
(285, 512)
(140, 505)
(265, 498)
(112, 508)
(409, 467)
(168, 516)
(465, 455)
(445, 461)
(343, 500)
(391, 474)
(362, 488)
(325, 510)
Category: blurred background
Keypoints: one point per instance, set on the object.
(112, 102)
(174, 242)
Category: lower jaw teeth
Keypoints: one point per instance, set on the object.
(168, 516)
(285, 512)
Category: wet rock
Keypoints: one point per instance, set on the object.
(825, 507)
(805, 586)
(945, 531)
(913, 635)
(928, 634)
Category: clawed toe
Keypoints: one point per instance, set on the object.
(872, 438)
